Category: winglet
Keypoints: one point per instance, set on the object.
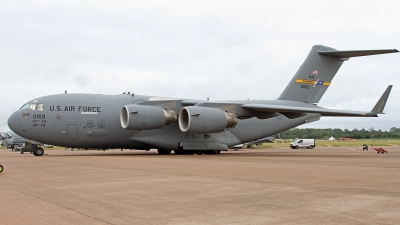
(380, 105)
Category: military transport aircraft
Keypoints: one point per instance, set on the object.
(184, 125)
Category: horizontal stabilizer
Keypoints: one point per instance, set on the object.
(357, 53)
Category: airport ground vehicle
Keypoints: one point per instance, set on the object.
(380, 150)
(19, 147)
(1, 168)
(303, 143)
(365, 147)
(32, 147)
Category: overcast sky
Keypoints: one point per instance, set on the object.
(197, 49)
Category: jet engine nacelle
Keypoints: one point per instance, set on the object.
(203, 120)
(144, 117)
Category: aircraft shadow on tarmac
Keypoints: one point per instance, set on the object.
(271, 154)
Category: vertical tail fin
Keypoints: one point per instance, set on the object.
(316, 73)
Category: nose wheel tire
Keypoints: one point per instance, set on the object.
(1, 168)
(38, 151)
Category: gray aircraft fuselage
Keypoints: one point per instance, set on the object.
(93, 121)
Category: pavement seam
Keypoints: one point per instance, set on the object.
(61, 206)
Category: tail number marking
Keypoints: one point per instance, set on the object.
(39, 120)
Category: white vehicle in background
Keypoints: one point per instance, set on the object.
(19, 147)
(303, 143)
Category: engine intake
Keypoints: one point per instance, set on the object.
(144, 117)
(203, 120)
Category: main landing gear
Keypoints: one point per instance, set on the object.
(163, 151)
(1, 168)
(186, 152)
(200, 152)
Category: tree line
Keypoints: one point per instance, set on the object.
(337, 133)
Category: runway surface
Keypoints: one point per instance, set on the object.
(327, 185)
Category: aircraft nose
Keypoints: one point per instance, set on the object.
(13, 122)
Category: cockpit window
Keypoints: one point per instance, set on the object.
(25, 106)
(32, 106)
(39, 106)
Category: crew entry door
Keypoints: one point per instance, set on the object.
(72, 132)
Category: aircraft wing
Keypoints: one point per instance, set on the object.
(295, 109)
(287, 109)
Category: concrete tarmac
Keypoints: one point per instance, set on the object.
(326, 185)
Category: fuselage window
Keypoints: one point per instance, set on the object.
(25, 115)
(39, 106)
(32, 106)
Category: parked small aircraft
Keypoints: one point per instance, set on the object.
(184, 125)
(11, 139)
(5, 135)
